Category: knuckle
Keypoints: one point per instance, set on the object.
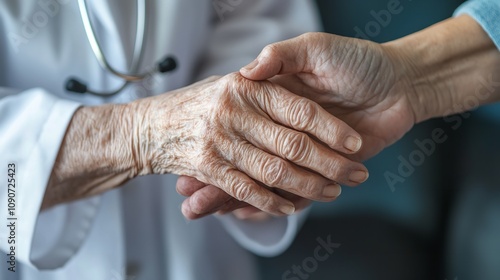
(308, 36)
(338, 170)
(312, 190)
(275, 172)
(302, 114)
(209, 164)
(271, 50)
(205, 167)
(242, 191)
(227, 84)
(296, 146)
(229, 78)
(212, 167)
(334, 133)
(234, 81)
(235, 88)
(270, 204)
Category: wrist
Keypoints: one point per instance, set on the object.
(102, 134)
(139, 137)
(94, 155)
(165, 130)
(444, 65)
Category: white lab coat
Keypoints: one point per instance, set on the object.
(138, 227)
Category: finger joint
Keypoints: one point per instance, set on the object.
(275, 172)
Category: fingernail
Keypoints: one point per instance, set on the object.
(287, 209)
(332, 191)
(251, 66)
(352, 143)
(358, 176)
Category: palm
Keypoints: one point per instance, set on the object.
(362, 89)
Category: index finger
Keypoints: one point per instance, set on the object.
(304, 115)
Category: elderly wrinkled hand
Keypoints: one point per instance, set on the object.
(380, 90)
(355, 80)
(202, 195)
(233, 133)
(246, 137)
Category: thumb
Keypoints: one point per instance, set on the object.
(286, 57)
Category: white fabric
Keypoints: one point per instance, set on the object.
(140, 225)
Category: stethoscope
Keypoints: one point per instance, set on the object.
(165, 65)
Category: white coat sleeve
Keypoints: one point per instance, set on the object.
(267, 239)
(32, 126)
(240, 33)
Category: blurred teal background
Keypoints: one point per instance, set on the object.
(411, 231)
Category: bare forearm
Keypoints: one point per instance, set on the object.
(454, 67)
(105, 146)
(96, 155)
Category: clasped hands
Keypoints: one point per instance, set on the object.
(287, 129)
(296, 123)
(271, 138)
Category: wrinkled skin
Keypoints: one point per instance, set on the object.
(360, 82)
(243, 132)
(253, 139)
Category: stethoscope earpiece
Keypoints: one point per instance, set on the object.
(74, 85)
(167, 64)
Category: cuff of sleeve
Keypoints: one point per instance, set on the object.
(486, 13)
(61, 231)
(53, 115)
(267, 239)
